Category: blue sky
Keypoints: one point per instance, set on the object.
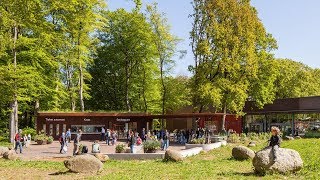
(294, 24)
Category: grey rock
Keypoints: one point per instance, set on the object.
(242, 153)
(288, 160)
(3, 150)
(10, 155)
(102, 157)
(172, 155)
(84, 164)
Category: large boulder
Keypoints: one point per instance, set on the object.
(3, 150)
(242, 153)
(84, 164)
(288, 160)
(102, 157)
(10, 155)
(172, 155)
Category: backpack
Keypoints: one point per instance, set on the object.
(17, 137)
(85, 149)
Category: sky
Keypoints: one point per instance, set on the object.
(294, 24)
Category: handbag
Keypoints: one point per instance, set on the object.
(65, 148)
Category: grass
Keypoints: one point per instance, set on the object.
(216, 164)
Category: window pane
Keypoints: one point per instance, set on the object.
(64, 128)
(44, 128)
(57, 130)
(51, 129)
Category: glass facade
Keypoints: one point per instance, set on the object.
(88, 129)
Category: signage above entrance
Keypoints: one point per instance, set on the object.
(86, 119)
(55, 120)
(123, 120)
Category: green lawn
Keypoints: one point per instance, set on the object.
(216, 164)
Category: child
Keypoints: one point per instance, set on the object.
(96, 147)
(274, 141)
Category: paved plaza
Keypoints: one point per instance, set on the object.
(51, 151)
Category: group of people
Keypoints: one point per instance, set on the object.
(65, 140)
(109, 135)
(21, 141)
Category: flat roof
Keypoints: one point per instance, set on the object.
(288, 105)
(127, 115)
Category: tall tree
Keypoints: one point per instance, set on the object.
(229, 42)
(126, 62)
(23, 61)
(166, 47)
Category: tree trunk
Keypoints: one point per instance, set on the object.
(144, 91)
(81, 88)
(127, 87)
(224, 117)
(80, 77)
(14, 104)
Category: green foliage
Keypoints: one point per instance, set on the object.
(31, 131)
(43, 137)
(231, 56)
(151, 145)
(234, 138)
(120, 148)
(198, 141)
(312, 134)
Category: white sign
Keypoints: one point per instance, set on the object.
(123, 120)
(85, 119)
(54, 120)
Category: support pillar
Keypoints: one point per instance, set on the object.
(292, 126)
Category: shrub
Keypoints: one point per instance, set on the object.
(151, 146)
(198, 141)
(44, 138)
(120, 148)
(243, 137)
(31, 131)
(234, 138)
(41, 137)
(49, 139)
(312, 134)
(253, 136)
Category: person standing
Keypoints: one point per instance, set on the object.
(18, 139)
(131, 142)
(143, 134)
(166, 140)
(108, 135)
(68, 136)
(76, 142)
(62, 141)
(29, 140)
(103, 134)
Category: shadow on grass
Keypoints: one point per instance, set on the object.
(60, 173)
(253, 174)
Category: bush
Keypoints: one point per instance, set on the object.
(312, 134)
(120, 148)
(49, 139)
(44, 138)
(243, 137)
(233, 138)
(41, 137)
(30, 131)
(198, 141)
(151, 146)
